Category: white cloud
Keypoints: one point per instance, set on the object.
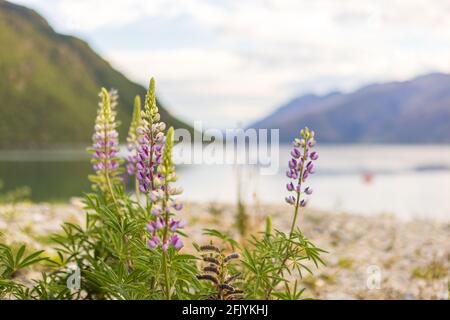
(264, 52)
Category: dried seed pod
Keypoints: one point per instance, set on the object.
(216, 271)
(211, 269)
(208, 277)
(225, 286)
(211, 260)
(231, 257)
(209, 247)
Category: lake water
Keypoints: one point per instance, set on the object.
(407, 181)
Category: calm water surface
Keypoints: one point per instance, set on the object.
(408, 181)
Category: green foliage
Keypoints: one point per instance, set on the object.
(114, 255)
(273, 259)
(12, 263)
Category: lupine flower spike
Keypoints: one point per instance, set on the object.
(132, 140)
(301, 165)
(151, 141)
(105, 148)
(163, 229)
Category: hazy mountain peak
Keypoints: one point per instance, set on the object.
(417, 110)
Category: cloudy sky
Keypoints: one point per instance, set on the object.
(233, 61)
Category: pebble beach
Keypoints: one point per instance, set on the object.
(369, 257)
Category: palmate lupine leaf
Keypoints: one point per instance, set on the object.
(12, 263)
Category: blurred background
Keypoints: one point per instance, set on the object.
(371, 78)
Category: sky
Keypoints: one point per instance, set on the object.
(230, 63)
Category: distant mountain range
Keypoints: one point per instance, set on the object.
(415, 111)
(49, 84)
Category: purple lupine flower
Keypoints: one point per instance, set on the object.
(164, 204)
(151, 226)
(176, 242)
(176, 224)
(292, 164)
(290, 186)
(156, 211)
(295, 153)
(314, 155)
(155, 225)
(301, 166)
(290, 199)
(309, 165)
(305, 175)
(153, 242)
(177, 205)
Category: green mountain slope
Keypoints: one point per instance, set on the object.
(49, 84)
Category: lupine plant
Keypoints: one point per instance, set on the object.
(105, 146)
(131, 245)
(276, 257)
(218, 270)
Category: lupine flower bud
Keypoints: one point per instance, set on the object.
(268, 226)
(175, 191)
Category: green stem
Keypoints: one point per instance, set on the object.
(166, 275)
(166, 227)
(105, 163)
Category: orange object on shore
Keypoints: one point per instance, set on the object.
(368, 178)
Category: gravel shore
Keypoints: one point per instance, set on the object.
(369, 257)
